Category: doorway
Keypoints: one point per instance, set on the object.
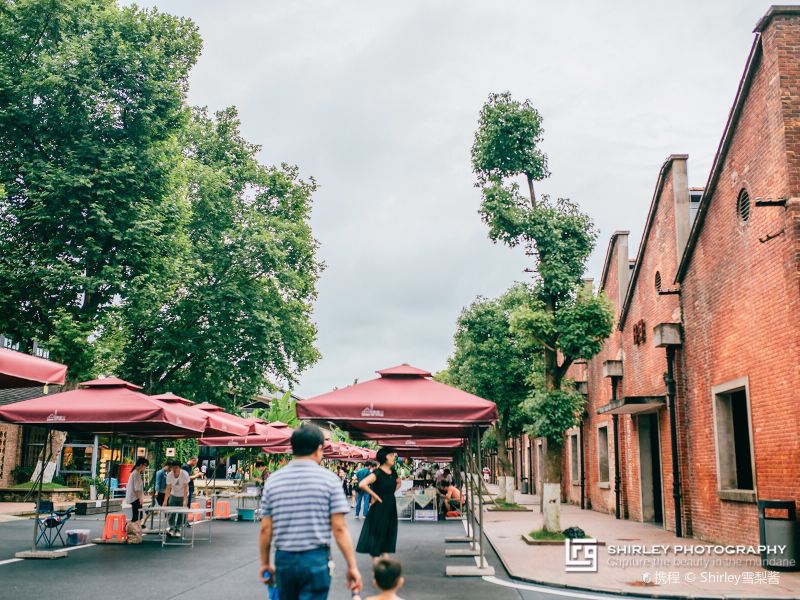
(650, 469)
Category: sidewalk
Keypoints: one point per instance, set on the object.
(706, 576)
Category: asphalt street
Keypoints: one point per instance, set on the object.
(227, 567)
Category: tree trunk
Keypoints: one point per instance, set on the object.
(50, 454)
(504, 465)
(532, 193)
(551, 488)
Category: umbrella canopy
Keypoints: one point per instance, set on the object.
(107, 406)
(404, 399)
(232, 419)
(18, 369)
(262, 434)
(218, 422)
(402, 444)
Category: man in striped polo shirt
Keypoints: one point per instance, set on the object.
(301, 505)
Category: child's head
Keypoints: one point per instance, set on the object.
(388, 575)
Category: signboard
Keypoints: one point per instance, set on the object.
(170, 452)
(141, 451)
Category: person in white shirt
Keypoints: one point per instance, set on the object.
(177, 494)
(134, 491)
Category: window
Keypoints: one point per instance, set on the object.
(575, 469)
(734, 443)
(602, 455)
(658, 281)
(743, 205)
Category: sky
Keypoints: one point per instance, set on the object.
(379, 101)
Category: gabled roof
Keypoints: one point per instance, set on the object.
(753, 61)
(609, 253)
(662, 177)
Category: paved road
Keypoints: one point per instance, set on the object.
(227, 568)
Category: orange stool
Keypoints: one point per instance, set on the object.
(223, 510)
(115, 527)
(208, 508)
(194, 516)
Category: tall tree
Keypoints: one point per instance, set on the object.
(562, 322)
(238, 312)
(492, 362)
(91, 105)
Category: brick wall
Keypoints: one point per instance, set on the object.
(741, 299)
(10, 442)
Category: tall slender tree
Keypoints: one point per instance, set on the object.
(561, 323)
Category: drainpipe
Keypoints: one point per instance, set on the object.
(669, 336)
(583, 479)
(617, 478)
(669, 379)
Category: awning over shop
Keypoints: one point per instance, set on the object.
(631, 405)
(18, 369)
(403, 400)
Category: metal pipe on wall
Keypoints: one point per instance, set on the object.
(669, 379)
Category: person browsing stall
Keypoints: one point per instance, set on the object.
(134, 490)
(301, 505)
(177, 494)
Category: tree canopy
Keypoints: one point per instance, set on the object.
(139, 236)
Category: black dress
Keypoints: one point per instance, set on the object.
(379, 533)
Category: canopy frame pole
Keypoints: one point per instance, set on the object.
(480, 497)
(108, 473)
(469, 494)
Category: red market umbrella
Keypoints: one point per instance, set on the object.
(218, 424)
(404, 399)
(402, 444)
(263, 434)
(221, 414)
(18, 369)
(108, 405)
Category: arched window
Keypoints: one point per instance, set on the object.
(743, 205)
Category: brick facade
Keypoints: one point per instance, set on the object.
(10, 444)
(733, 287)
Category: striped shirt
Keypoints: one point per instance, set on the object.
(300, 498)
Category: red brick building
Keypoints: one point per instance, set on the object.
(713, 299)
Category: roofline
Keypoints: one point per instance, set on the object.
(773, 11)
(662, 176)
(722, 150)
(607, 264)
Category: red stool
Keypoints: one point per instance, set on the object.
(223, 510)
(115, 527)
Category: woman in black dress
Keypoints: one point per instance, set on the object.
(379, 534)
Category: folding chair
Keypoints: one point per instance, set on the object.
(51, 522)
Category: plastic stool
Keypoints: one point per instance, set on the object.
(194, 516)
(115, 527)
(223, 510)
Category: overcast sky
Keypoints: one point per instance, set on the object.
(379, 102)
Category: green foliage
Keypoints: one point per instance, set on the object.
(186, 449)
(22, 474)
(507, 140)
(238, 311)
(137, 236)
(281, 409)
(98, 482)
(92, 101)
(553, 412)
(489, 361)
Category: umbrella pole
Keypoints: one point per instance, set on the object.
(39, 484)
(108, 473)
